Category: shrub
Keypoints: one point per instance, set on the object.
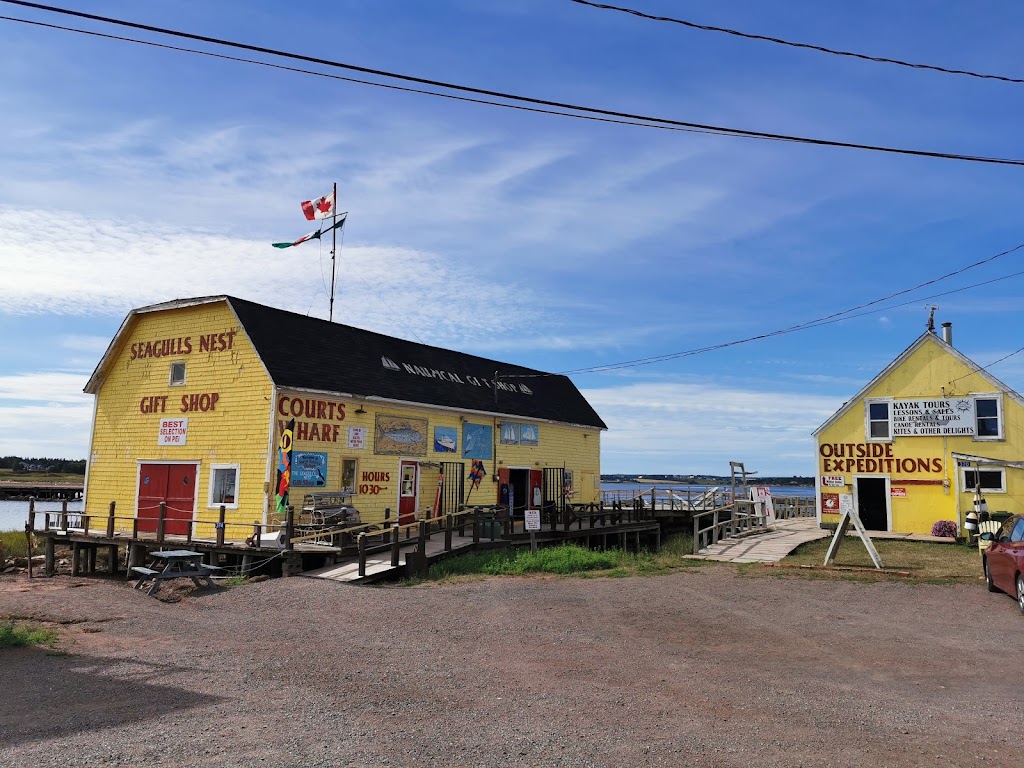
(945, 528)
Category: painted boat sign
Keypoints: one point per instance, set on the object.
(833, 481)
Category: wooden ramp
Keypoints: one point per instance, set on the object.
(378, 566)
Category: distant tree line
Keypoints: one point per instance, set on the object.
(57, 466)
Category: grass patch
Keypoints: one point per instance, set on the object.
(15, 545)
(925, 561)
(22, 635)
(566, 560)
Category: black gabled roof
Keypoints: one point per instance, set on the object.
(308, 353)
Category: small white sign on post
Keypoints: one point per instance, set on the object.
(173, 432)
(533, 519)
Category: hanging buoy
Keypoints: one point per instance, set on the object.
(971, 522)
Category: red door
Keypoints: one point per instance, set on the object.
(408, 491)
(173, 484)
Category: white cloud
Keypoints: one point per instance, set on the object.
(699, 427)
(44, 414)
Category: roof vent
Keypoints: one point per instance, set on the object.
(947, 333)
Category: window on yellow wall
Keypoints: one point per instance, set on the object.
(348, 475)
(177, 375)
(988, 412)
(876, 417)
(992, 480)
(224, 485)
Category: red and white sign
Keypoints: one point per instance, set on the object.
(900, 493)
(173, 432)
(830, 503)
(833, 481)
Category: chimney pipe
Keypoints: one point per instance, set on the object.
(947, 333)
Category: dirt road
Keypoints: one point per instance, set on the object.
(707, 667)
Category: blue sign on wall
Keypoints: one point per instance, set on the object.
(309, 469)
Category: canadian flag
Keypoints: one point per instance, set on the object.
(320, 208)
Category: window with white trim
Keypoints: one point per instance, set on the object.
(177, 376)
(877, 420)
(989, 417)
(224, 485)
(992, 480)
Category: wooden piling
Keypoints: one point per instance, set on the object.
(220, 526)
(110, 522)
(51, 562)
(394, 546)
(362, 554)
(161, 523)
(112, 559)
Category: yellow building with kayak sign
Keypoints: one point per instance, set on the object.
(192, 397)
(917, 444)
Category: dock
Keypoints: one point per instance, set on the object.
(357, 554)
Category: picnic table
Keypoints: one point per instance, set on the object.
(174, 564)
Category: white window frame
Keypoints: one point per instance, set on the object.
(210, 503)
(970, 489)
(868, 402)
(170, 374)
(998, 397)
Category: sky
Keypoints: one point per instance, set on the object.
(133, 175)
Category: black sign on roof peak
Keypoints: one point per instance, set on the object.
(304, 352)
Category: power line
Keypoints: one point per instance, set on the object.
(807, 46)
(358, 81)
(835, 317)
(641, 120)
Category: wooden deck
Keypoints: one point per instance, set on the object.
(379, 553)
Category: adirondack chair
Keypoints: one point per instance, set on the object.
(989, 526)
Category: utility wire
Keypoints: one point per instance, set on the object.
(835, 317)
(981, 368)
(389, 86)
(808, 46)
(651, 121)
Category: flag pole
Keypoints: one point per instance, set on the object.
(334, 249)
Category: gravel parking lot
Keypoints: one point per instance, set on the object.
(711, 666)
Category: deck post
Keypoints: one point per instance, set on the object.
(86, 523)
(220, 526)
(51, 568)
(136, 555)
(63, 515)
(31, 516)
(387, 526)
(476, 526)
(421, 546)
(290, 529)
(91, 558)
(112, 559)
(76, 557)
(448, 532)
(110, 520)
(362, 554)
(161, 523)
(394, 546)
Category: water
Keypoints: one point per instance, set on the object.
(14, 514)
(804, 491)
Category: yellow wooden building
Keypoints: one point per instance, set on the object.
(911, 447)
(192, 396)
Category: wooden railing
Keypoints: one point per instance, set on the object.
(714, 525)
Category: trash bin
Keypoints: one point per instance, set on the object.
(999, 516)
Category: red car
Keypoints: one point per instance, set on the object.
(1003, 561)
